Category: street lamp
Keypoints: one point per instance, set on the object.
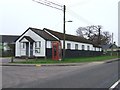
(64, 21)
(69, 21)
(59, 7)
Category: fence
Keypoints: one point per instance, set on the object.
(75, 53)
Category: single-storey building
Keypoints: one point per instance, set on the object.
(7, 44)
(38, 43)
(109, 48)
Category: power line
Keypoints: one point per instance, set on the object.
(63, 8)
(55, 3)
(50, 4)
(60, 7)
(75, 15)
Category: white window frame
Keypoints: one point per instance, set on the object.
(68, 45)
(37, 46)
(83, 47)
(76, 46)
(88, 48)
(95, 48)
(23, 45)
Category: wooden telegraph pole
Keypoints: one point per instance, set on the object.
(64, 9)
(59, 7)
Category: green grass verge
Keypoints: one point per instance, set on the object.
(67, 60)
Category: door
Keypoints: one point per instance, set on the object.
(31, 49)
(27, 49)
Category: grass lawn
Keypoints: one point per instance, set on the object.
(67, 60)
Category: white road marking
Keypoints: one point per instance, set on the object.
(114, 85)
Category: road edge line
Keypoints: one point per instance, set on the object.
(114, 85)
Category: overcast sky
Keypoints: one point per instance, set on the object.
(17, 15)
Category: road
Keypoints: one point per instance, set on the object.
(92, 75)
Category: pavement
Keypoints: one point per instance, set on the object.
(7, 63)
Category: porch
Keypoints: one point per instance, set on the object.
(26, 47)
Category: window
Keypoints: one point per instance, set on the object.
(83, 47)
(37, 47)
(37, 50)
(68, 46)
(88, 47)
(37, 44)
(23, 45)
(76, 46)
(94, 48)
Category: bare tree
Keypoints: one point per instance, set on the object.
(80, 31)
(94, 34)
(107, 37)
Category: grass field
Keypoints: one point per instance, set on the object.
(67, 60)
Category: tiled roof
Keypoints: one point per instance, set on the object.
(48, 34)
(28, 38)
(43, 34)
(68, 37)
(108, 46)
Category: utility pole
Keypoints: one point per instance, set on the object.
(99, 42)
(59, 7)
(64, 9)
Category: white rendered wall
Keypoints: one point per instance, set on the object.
(23, 50)
(79, 45)
(36, 38)
(49, 44)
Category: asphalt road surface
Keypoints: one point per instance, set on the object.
(92, 75)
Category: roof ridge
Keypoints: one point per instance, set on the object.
(52, 30)
(43, 34)
(35, 28)
(65, 34)
(62, 33)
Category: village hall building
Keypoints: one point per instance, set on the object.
(40, 43)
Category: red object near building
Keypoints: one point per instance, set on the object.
(56, 50)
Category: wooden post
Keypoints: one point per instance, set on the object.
(64, 32)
